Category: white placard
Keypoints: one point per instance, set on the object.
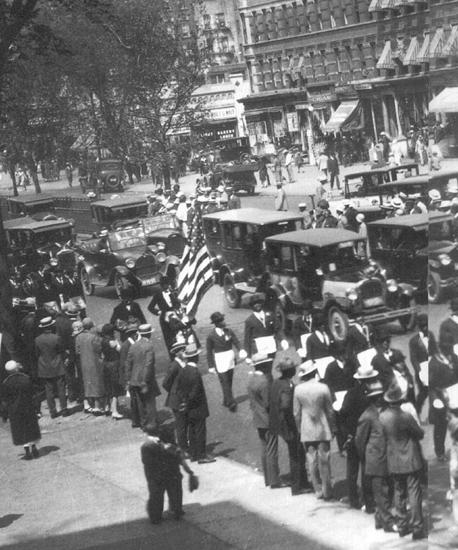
(366, 356)
(340, 395)
(224, 361)
(424, 373)
(304, 338)
(452, 394)
(455, 349)
(266, 344)
(322, 364)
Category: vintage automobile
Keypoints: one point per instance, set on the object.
(442, 256)
(111, 173)
(35, 206)
(31, 242)
(234, 163)
(235, 240)
(163, 234)
(112, 212)
(323, 265)
(123, 259)
(400, 245)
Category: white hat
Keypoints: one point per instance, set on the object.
(46, 322)
(365, 371)
(145, 329)
(396, 202)
(434, 195)
(302, 205)
(360, 218)
(191, 350)
(104, 232)
(346, 202)
(11, 366)
(306, 368)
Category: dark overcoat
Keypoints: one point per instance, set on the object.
(18, 395)
(371, 443)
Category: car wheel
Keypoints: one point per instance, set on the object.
(408, 322)
(233, 296)
(120, 284)
(435, 292)
(88, 287)
(279, 316)
(338, 324)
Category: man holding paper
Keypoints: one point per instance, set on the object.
(221, 356)
(418, 348)
(260, 330)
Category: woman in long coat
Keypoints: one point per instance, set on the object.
(88, 350)
(18, 395)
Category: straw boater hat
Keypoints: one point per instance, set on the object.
(286, 364)
(375, 388)
(365, 371)
(178, 346)
(191, 350)
(396, 202)
(72, 311)
(77, 327)
(46, 322)
(131, 327)
(306, 368)
(435, 195)
(12, 366)
(261, 360)
(145, 329)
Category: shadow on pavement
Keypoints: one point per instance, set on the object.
(240, 528)
(7, 520)
(48, 449)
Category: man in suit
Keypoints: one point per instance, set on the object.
(193, 407)
(64, 329)
(57, 284)
(304, 323)
(418, 348)
(127, 312)
(164, 301)
(372, 449)
(221, 356)
(357, 338)
(259, 324)
(315, 417)
(318, 343)
(49, 350)
(141, 379)
(283, 424)
(73, 290)
(403, 435)
(450, 325)
(259, 386)
(386, 358)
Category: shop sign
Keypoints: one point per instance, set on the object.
(345, 89)
(321, 96)
(293, 123)
(363, 86)
(216, 114)
(257, 128)
(302, 106)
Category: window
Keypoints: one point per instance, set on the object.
(344, 17)
(185, 29)
(338, 63)
(220, 20)
(356, 11)
(227, 235)
(237, 236)
(349, 58)
(224, 42)
(287, 259)
(333, 22)
(312, 64)
(361, 55)
(207, 21)
(320, 22)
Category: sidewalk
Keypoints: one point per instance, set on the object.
(88, 491)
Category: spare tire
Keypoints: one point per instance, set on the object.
(112, 181)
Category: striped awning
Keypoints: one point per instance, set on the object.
(398, 3)
(445, 102)
(423, 54)
(451, 46)
(412, 52)
(386, 61)
(387, 4)
(375, 5)
(437, 43)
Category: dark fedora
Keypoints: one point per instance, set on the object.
(286, 364)
(216, 317)
(256, 299)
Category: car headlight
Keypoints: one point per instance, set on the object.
(392, 285)
(130, 263)
(80, 258)
(352, 294)
(53, 262)
(161, 246)
(445, 259)
(161, 257)
(154, 248)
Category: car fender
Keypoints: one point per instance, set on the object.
(171, 260)
(90, 270)
(226, 270)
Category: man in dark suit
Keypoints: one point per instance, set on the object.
(164, 301)
(73, 290)
(51, 369)
(64, 329)
(259, 386)
(372, 449)
(193, 407)
(418, 348)
(357, 338)
(141, 379)
(282, 423)
(258, 325)
(450, 325)
(221, 356)
(126, 312)
(405, 462)
(386, 358)
(303, 324)
(318, 343)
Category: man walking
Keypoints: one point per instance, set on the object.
(127, 312)
(49, 350)
(281, 202)
(259, 386)
(315, 417)
(260, 324)
(141, 379)
(418, 348)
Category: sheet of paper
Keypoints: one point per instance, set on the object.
(452, 394)
(424, 373)
(224, 361)
(266, 344)
(340, 395)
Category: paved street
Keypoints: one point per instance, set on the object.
(88, 489)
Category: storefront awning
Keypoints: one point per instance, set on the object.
(386, 61)
(375, 5)
(451, 46)
(347, 116)
(445, 102)
(412, 52)
(437, 43)
(423, 54)
(387, 4)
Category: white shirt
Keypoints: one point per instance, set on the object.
(261, 316)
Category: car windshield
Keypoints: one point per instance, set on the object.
(131, 238)
(342, 256)
(60, 236)
(398, 238)
(442, 231)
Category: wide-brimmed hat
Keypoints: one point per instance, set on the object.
(178, 346)
(103, 233)
(256, 299)
(260, 359)
(306, 368)
(360, 218)
(131, 327)
(346, 202)
(302, 205)
(46, 322)
(396, 202)
(11, 366)
(365, 371)
(397, 390)
(191, 350)
(286, 364)
(145, 329)
(375, 388)
(216, 317)
(434, 195)
(77, 327)
(72, 311)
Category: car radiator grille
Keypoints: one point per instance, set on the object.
(145, 267)
(372, 293)
(66, 260)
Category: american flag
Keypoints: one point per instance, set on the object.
(196, 275)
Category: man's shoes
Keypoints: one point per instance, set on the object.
(301, 492)
(135, 425)
(419, 535)
(391, 529)
(233, 407)
(280, 485)
(54, 414)
(405, 532)
(66, 412)
(28, 454)
(35, 452)
(206, 460)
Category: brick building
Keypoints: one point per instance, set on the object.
(344, 64)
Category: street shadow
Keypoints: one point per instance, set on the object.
(242, 398)
(224, 453)
(7, 520)
(48, 449)
(202, 528)
(212, 446)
